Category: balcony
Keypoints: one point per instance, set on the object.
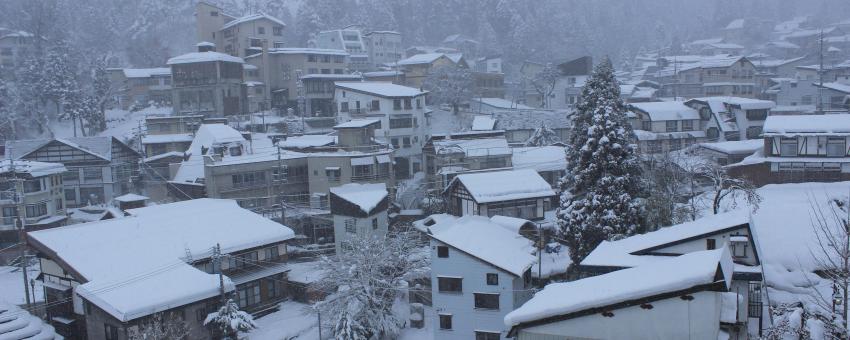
(370, 177)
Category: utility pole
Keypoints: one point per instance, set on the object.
(820, 73)
(319, 313)
(540, 256)
(20, 223)
(217, 260)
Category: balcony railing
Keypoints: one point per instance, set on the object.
(370, 177)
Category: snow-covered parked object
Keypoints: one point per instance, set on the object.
(366, 197)
(514, 193)
(480, 271)
(17, 323)
(609, 306)
(359, 209)
(152, 247)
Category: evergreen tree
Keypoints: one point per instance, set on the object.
(58, 80)
(229, 320)
(600, 191)
(102, 90)
(543, 136)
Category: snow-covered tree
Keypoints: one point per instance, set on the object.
(229, 320)
(160, 326)
(102, 91)
(831, 226)
(367, 278)
(59, 80)
(724, 186)
(543, 136)
(789, 322)
(602, 185)
(543, 82)
(449, 84)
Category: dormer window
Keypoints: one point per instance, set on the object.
(739, 245)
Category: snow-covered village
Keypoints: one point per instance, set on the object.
(424, 169)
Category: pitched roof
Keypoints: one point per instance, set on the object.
(192, 169)
(690, 271)
(382, 89)
(540, 158)
(100, 146)
(836, 124)
(200, 57)
(496, 186)
(154, 245)
(423, 58)
(840, 87)
(146, 72)
(365, 196)
(476, 147)
(485, 240)
(530, 120)
(483, 123)
(252, 17)
(661, 111)
(628, 252)
(32, 168)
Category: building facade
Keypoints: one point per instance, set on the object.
(208, 84)
(33, 192)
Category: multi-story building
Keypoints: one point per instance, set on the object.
(447, 155)
(32, 191)
(165, 134)
(698, 76)
(289, 65)
(351, 40)
(359, 210)
(402, 114)
(572, 76)
(731, 118)
(98, 168)
(141, 86)
(384, 47)
(803, 148)
(14, 47)
(480, 271)
(237, 36)
(417, 67)
(513, 193)
(168, 266)
(208, 83)
(665, 126)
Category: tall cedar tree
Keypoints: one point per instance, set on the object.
(599, 199)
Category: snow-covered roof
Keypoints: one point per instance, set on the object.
(252, 17)
(483, 123)
(357, 123)
(540, 158)
(191, 170)
(376, 74)
(485, 240)
(146, 72)
(18, 323)
(478, 147)
(382, 89)
(205, 44)
(513, 224)
(666, 276)
(307, 141)
(500, 103)
(643, 135)
(627, 252)
(125, 261)
(496, 186)
(365, 196)
(845, 88)
(33, 168)
(100, 146)
(164, 155)
(131, 198)
(200, 57)
(705, 41)
(661, 111)
(169, 138)
(424, 58)
(794, 125)
(305, 50)
(717, 103)
(783, 44)
(735, 24)
(346, 77)
(530, 120)
(735, 147)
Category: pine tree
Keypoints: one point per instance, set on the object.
(229, 320)
(543, 136)
(600, 191)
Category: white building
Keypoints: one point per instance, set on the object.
(358, 209)
(402, 112)
(732, 118)
(384, 47)
(480, 271)
(684, 297)
(349, 39)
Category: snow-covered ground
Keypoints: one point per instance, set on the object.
(122, 124)
(12, 288)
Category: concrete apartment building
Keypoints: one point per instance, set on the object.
(208, 83)
(33, 191)
(289, 65)
(697, 76)
(351, 40)
(237, 36)
(98, 168)
(14, 47)
(141, 86)
(402, 114)
(384, 47)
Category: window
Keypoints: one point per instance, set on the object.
(343, 107)
(236, 151)
(33, 185)
(806, 100)
(449, 284)
(243, 260)
(277, 31)
(271, 253)
(70, 195)
(445, 321)
(687, 125)
(405, 142)
(261, 30)
(675, 144)
(351, 226)
(712, 133)
(249, 179)
(710, 244)
(274, 286)
(672, 126)
(486, 301)
(753, 132)
(526, 209)
(760, 114)
(408, 104)
(401, 122)
(739, 249)
(788, 147)
(394, 142)
(58, 203)
(836, 147)
(442, 251)
(375, 106)
(213, 13)
(92, 174)
(374, 223)
(646, 125)
(338, 59)
(71, 175)
(418, 103)
(653, 146)
(492, 279)
(249, 294)
(311, 58)
(110, 332)
(396, 104)
(479, 335)
(333, 174)
(36, 210)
